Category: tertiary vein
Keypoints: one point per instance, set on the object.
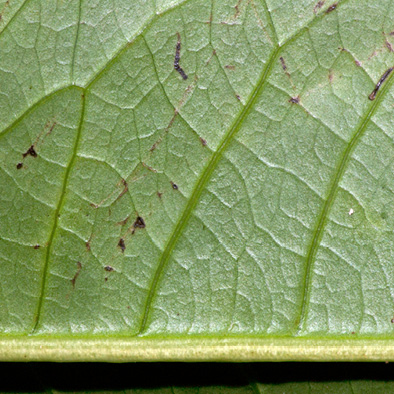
(207, 172)
(322, 219)
(200, 186)
(38, 313)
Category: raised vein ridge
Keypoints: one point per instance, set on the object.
(41, 101)
(213, 162)
(322, 220)
(56, 220)
(201, 185)
(202, 181)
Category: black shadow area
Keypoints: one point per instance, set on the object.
(215, 377)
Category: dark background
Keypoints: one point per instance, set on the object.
(215, 377)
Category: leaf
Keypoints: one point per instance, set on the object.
(243, 213)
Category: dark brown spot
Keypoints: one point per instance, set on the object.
(36, 246)
(230, 67)
(52, 127)
(358, 63)
(124, 221)
(31, 151)
(238, 97)
(237, 10)
(353, 332)
(108, 268)
(159, 194)
(174, 185)
(294, 100)
(389, 46)
(392, 320)
(211, 57)
(284, 67)
(374, 53)
(282, 61)
(125, 189)
(318, 5)
(87, 244)
(122, 245)
(330, 76)
(19, 166)
(379, 84)
(177, 58)
(79, 267)
(139, 223)
(331, 8)
(4, 7)
(203, 142)
(153, 147)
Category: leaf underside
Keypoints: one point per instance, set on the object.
(175, 173)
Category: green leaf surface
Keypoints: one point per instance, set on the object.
(243, 213)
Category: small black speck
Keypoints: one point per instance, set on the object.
(36, 246)
(108, 268)
(174, 186)
(19, 166)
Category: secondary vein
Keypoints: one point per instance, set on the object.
(56, 220)
(318, 232)
(212, 165)
(41, 101)
(201, 185)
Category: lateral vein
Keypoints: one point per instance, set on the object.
(38, 313)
